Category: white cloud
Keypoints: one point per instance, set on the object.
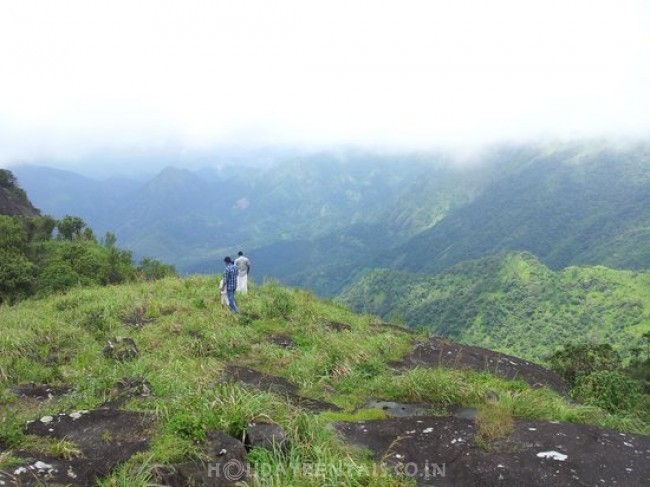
(79, 76)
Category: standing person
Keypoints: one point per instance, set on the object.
(244, 265)
(230, 278)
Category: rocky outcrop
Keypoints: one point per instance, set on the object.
(438, 351)
(13, 200)
(443, 451)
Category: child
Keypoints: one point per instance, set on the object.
(224, 293)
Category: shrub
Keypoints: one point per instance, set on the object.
(152, 269)
(609, 390)
(579, 360)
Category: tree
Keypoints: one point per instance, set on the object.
(70, 227)
(39, 228)
(120, 266)
(7, 179)
(580, 360)
(110, 240)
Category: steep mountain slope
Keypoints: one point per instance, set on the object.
(573, 205)
(13, 199)
(514, 303)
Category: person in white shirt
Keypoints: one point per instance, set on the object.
(224, 293)
(244, 265)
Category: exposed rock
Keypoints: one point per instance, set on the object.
(104, 438)
(128, 388)
(120, 348)
(441, 451)
(441, 352)
(137, 319)
(265, 435)
(226, 465)
(400, 410)
(284, 341)
(13, 199)
(40, 392)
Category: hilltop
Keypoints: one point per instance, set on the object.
(156, 382)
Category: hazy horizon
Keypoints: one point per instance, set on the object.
(92, 83)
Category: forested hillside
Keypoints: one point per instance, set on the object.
(570, 206)
(514, 303)
(41, 255)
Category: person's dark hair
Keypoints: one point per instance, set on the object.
(240, 253)
(228, 260)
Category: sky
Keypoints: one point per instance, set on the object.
(83, 77)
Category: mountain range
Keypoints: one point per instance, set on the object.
(318, 221)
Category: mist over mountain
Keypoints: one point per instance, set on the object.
(317, 221)
(194, 218)
(576, 205)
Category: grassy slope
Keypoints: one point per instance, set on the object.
(514, 304)
(186, 342)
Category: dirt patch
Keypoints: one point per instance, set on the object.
(441, 451)
(276, 385)
(446, 353)
(104, 438)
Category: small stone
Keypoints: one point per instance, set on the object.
(47, 419)
(553, 455)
